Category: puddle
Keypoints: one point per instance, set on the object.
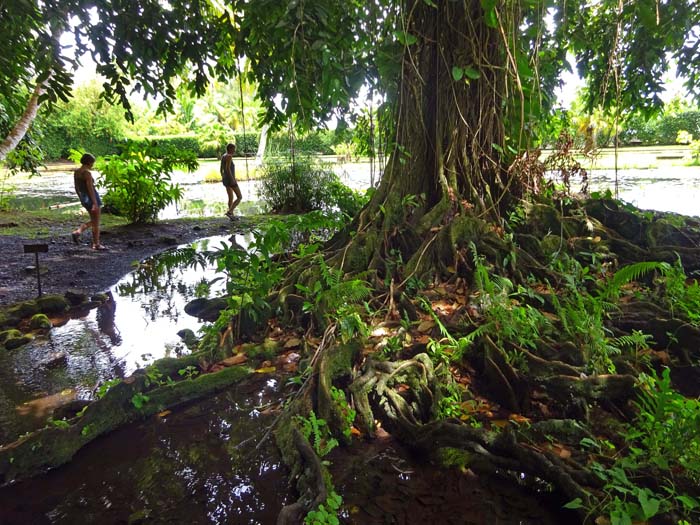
(139, 326)
(382, 483)
(198, 464)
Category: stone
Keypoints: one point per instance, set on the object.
(40, 322)
(50, 304)
(206, 309)
(56, 359)
(23, 310)
(75, 298)
(12, 333)
(16, 342)
(188, 337)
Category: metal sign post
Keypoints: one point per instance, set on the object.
(36, 249)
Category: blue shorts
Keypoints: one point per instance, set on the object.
(86, 201)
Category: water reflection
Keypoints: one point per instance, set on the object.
(136, 324)
(174, 469)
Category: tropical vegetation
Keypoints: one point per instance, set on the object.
(534, 333)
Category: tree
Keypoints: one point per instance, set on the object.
(469, 82)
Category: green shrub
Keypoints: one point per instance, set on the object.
(210, 149)
(138, 180)
(168, 145)
(313, 143)
(85, 122)
(306, 186)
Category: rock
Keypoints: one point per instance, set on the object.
(170, 241)
(99, 298)
(12, 333)
(188, 337)
(32, 269)
(74, 299)
(50, 304)
(206, 309)
(56, 359)
(23, 310)
(40, 322)
(16, 342)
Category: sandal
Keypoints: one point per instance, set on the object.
(76, 237)
(99, 248)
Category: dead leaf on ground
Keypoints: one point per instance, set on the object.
(293, 342)
(426, 326)
(234, 360)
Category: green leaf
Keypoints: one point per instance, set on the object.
(688, 502)
(574, 504)
(430, 3)
(619, 517)
(405, 38)
(650, 506)
(457, 73)
(472, 72)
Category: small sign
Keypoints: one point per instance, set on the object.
(36, 248)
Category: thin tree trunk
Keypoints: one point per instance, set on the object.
(24, 123)
(262, 144)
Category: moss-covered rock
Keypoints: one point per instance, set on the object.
(12, 333)
(16, 342)
(23, 310)
(52, 304)
(40, 322)
(75, 298)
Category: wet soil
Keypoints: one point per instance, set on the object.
(76, 267)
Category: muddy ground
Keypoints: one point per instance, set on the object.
(76, 267)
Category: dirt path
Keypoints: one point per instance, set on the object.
(76, 267)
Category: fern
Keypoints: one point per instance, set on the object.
(344, 292)
(633, 272)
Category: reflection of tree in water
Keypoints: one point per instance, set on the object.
(160, 278)
(105, 320)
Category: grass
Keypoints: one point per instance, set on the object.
(42, 223)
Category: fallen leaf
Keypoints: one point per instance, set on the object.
(426, 326)
(164, 413)
(293, 342)
(518, 418)
(235, 360)
(265, 370)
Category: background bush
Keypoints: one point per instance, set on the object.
(137, 181)
(85, 123)
(306, 186)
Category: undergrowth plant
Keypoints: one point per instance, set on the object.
(317, 432)
(346, 411)
(332, 297)
(305, 185)
(138, 181)
(683, 298)
(663, 446)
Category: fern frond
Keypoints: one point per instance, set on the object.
(345, 292)
(633, 272)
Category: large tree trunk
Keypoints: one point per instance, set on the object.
(448, 133)
(24, 123)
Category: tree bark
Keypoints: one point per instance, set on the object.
(24, 123)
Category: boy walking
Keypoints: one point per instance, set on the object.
(228, 178)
